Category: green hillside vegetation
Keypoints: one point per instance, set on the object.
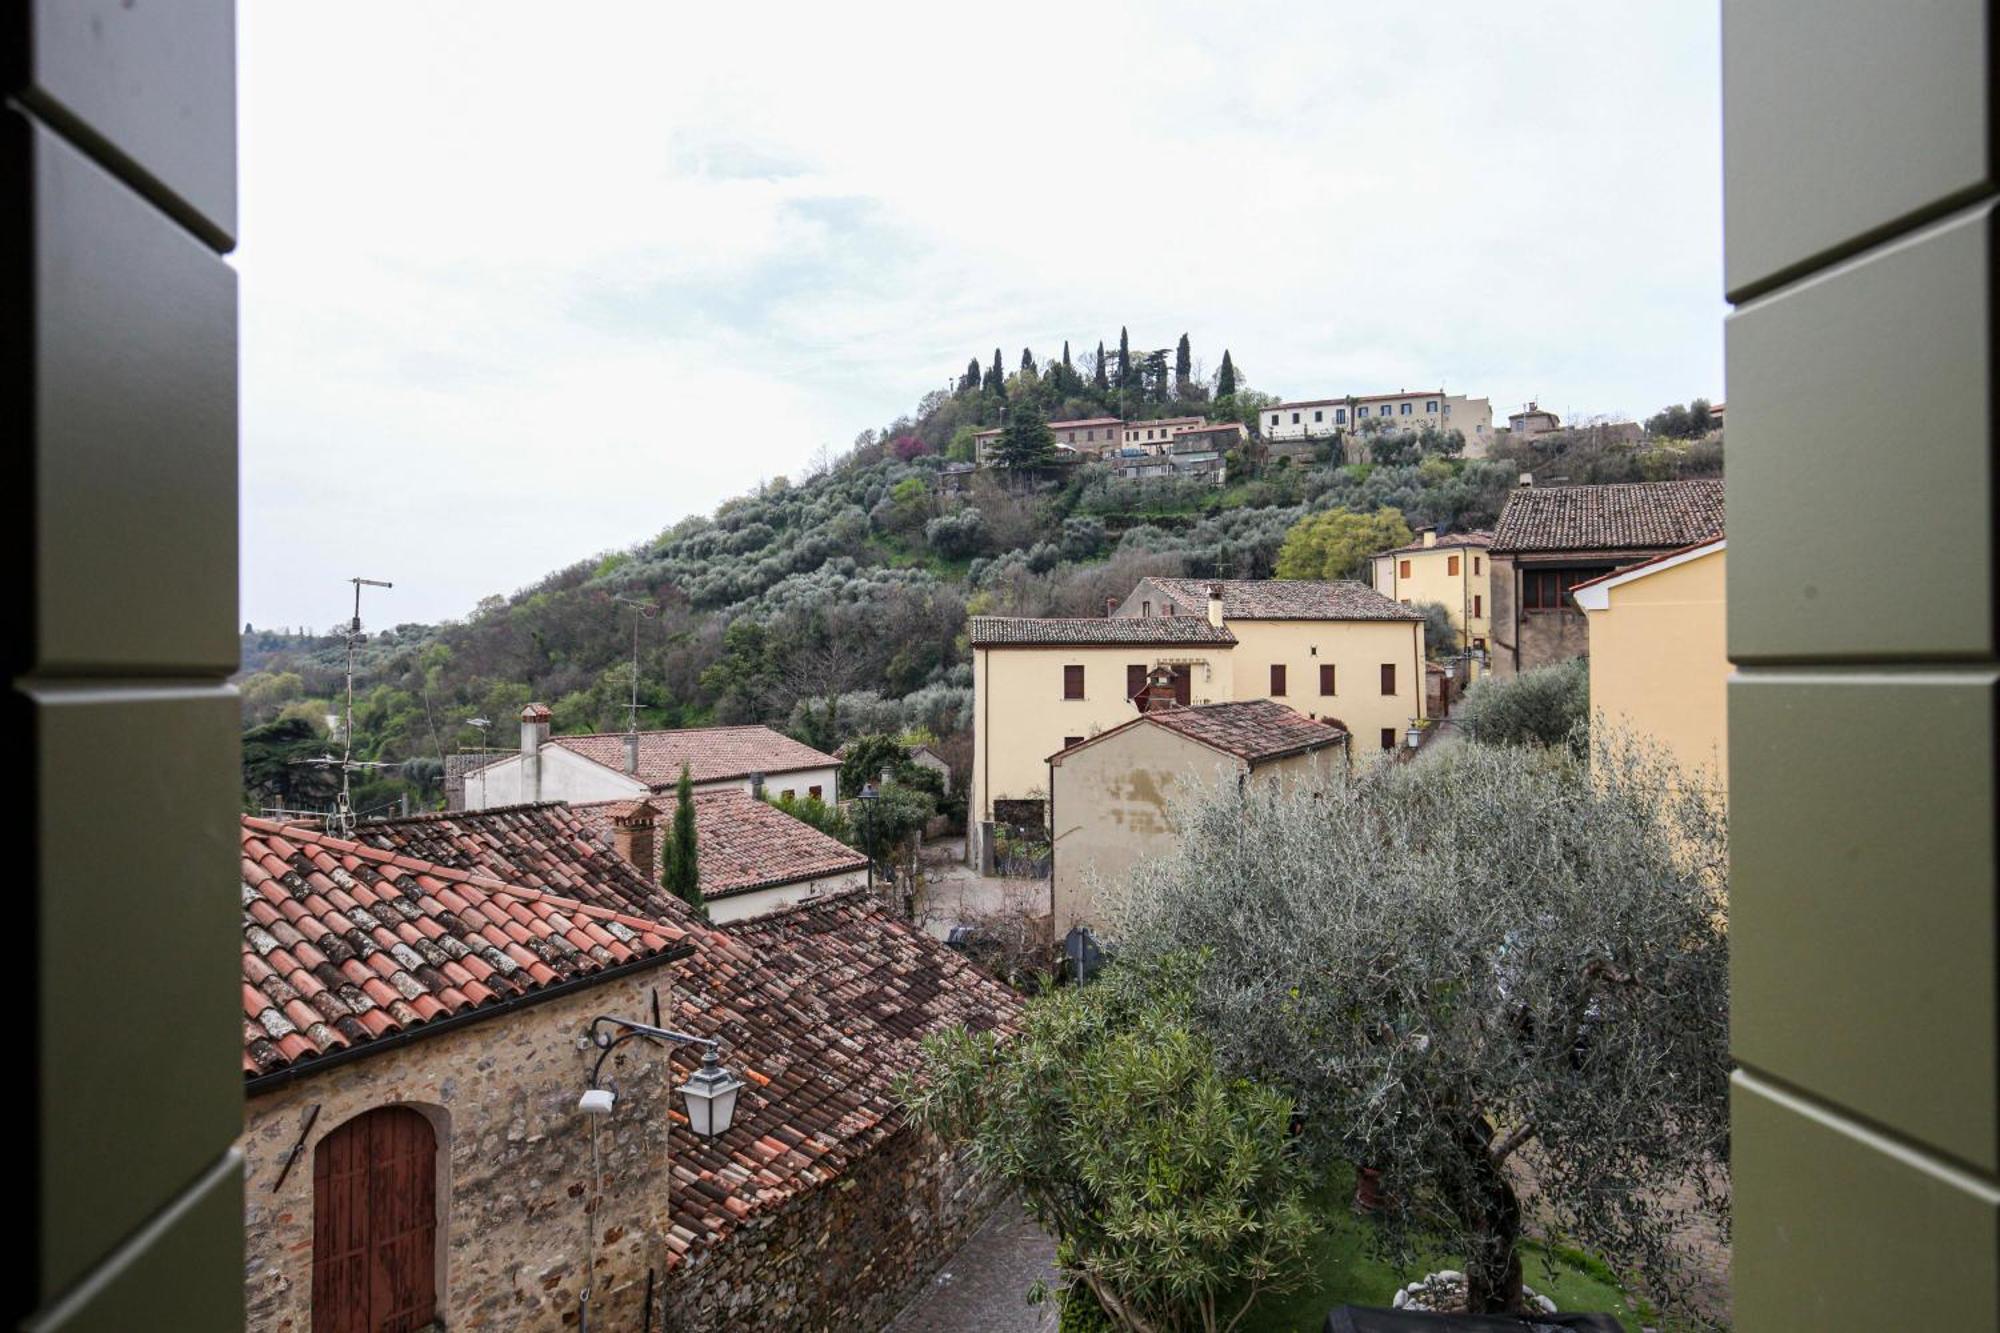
(836, 605)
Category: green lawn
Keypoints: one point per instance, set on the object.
(1347, 1272)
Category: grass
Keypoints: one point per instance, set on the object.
(1346, 1270)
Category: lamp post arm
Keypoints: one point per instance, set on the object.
(606, 1043)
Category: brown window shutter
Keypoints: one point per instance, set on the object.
(1135, 679)
(1451, 564)
(1388, 738)
(1326, 680)
(1277, 682)
(1072, 682)
(1388, 678)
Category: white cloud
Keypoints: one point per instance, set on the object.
(517, 290)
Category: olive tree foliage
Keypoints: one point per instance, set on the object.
(1491, 952)
(1546, 706)
(1167, 1184)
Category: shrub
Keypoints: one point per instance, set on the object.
(1546, 706)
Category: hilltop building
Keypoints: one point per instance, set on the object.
(1532, 422)
(1323, 418)
(1551, 539)
(1339, 651)
(631, 765)
(1112, 438)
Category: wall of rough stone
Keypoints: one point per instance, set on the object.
(849, 1255)
(514, 1166)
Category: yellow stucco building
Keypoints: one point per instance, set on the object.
(1658, 659)
(1336, 651)
(1452, 570)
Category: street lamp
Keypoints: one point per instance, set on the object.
(709, 1094)
(869, 795)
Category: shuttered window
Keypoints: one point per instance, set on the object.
(1072, 682)
(1388, 678)
(1277, 682)
(1326, 680)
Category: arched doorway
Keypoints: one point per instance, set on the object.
(375, 1225)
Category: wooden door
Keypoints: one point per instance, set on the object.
(375, 1225)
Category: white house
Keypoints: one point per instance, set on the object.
(613, 766)
(1318, 418)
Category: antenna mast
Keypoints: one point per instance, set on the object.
(646, 611)
(343, 814)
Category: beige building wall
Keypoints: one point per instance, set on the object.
(1357, 650)
(1659, 663)
(1466, 592)
(1111, 810)
(1023, 718)
(1472, 418)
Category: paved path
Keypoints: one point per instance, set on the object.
(983, 1288)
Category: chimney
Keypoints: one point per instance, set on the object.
(632, 835)
(534, 735)
(1215, 605)
(1527, 479)
(756, 786)
(631, 752)
(1430, 536)
(1110, 606)
(1159, 691)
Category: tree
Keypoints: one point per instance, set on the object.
(1124, 359)
(1168, 1185)
(1183, 367)
(1027, 361)
(970, 380)
(1026, 441)
(1333, 544)
(998, 379)
(1098, 376)
(1225, 379)
(1449, 961)
(1546, 706)
(681, 875)
(1440, 635)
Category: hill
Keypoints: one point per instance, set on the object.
(836, 605)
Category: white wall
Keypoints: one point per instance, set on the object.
(762, 902)
(565, 777)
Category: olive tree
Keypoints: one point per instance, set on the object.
(1489, 959)
(1168, 1185)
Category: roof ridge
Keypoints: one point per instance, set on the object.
(480, 880)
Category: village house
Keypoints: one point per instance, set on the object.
(1658, 664)
(1452, 570)
(1323, 418)
(417, 1040)
(1110, 794)
(1334, 650)
(1085, 435)
(631, 765)
(1550, 539)
(1532, 422)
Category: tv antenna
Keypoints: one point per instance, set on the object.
(341, 821)
(645, 611)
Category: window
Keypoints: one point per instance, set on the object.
(1451, 564)
(1548, 589)
(1295, 418)
(791, 793)
(1360, 412)
(1388, 678)
(1146, 609)
(1277, 681)
(1388, 738)
(1405, 409)
(1431, 406)
(817, 793)
(1339, 415)
(1318, 415)
(1402, 569)
(1135, 679)
(1475, 566)
(1072, 682)
(374, 1249)
(1326, 679)
(1274, 418)
(1478, 605)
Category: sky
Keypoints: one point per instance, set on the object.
(522, 283)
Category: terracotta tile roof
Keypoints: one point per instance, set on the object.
(821, 1008)
(1255, 731)
(1087, 631)
(1445, 541)
(1629, 516)
(741, 843)
(560, 849)
(1285, 599)
(345, 943)
(711, 753)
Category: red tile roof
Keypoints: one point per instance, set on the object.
(820, 1007)
(741, 843)
(345, 943)
(1445, 541)
(712, 754)
(1281, 599)
(560, 849)
(1089, 631)
(1629, 516)
(1255, 731)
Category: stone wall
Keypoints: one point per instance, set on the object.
(514, 1160)
(514, 1166)
(848, 1255)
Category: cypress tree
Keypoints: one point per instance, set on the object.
(1124, 359)
(971, 379)
(681, 875)
(1066, 364)
(1027, 361)
(1183, 366)
(999, 373)
(1225, 379)
(1099, 379)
